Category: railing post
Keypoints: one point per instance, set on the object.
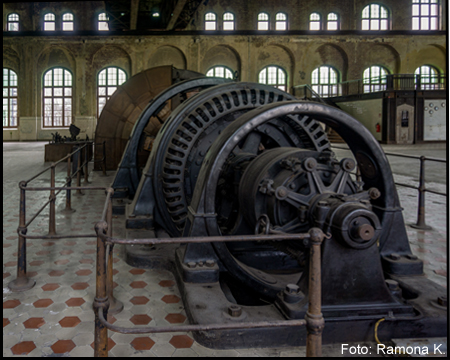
(22, 282)
(101, 298)
(69, 184)
(420, 224)
(314, 319)
(104, 157)
(52, 212)
(79, 171)
(86, 172)
(115, 306)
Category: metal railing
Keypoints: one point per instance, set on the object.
(381, 83)
(420, 223)
(104, 279)
(22, 282)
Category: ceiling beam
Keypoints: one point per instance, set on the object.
(176, 13)
(134, 14)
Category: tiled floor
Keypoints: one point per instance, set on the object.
(55, 318)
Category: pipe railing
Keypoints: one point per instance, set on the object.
(422, 189)
(314, 320)
(22, 281)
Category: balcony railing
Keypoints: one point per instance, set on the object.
(374, 84)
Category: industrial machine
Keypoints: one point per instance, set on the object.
(244, 158)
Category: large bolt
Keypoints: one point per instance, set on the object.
(412, 257)
(348, 164)
(282, 192)
(395, 256)
(322, 203)
(310, 164)
(374, 193)
(292, 289)
(210, 263)
(191, 264)
(442, 300)
(201, 263)
(234, 310)
(392, 284)
(366, 232)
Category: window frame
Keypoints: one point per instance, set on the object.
(9, 97)
(47, 21)
(333, 21)
(278, 85)
(319, 86)
(263, 21)
(375, 83)
(210, 21)
(64, 22)
(421, 6)
(225, 69)
(11, 22)
(315, 21)
(283, 21)
(104, 21)
(63, 97)
(430, 84)
(107, 86)
(378, 19)
(225, 21)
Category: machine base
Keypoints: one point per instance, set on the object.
(206, 303)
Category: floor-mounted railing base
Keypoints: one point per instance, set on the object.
(21, 284)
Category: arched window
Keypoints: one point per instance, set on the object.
(375, 17)
(67, 22)
(425, 15)
(374, 79)
(429, 77)
(12, 22)
(103, 19)
(324, 81)
(275, 76)
(9, 98)
(228, 21)
(263, 21)
(57, 109)
(220, 71)
(49, 22)
(108, 80)
(210, 21)
(314, 21)
(281, 21)
(332, 21)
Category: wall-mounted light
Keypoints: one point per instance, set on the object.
(155, 14)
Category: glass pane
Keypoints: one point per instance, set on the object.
(57, 77)
(383, 13)
(365, 12)
(210, 73)
(434, 10)
(374, 11)
(102, 91)
(332, 25)
(102, 77)
(415, 23)
(263, 16)
(262, 76)
(281, 16)
(14, 26)
(67, 17)
(433, 23)
(210, 25)
(272, 75)
(314, 25)
(314, 16)
(424, 10)
(228, 16)
(103, 26)
(5, 92)
(13, 17)
(332, 16)
(13, 92)
(228, 25)
(49, 26)
(48, 78)
(280, 25)
(383, 25)
(49, 17)
(67, 121)
(67, 78)
(68, 91)
(67, 26)
(315, 76)
(102, 16)
(365, 25)
(263, 25)
(57, 91)
(281, 77)
(210, 16)
(228, 74)
(415, 10)
(111, 90)
(48, 92)
(424, 23)
(374, 24)
(122, 77)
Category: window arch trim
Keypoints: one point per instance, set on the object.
(375, 22)
(279, 79)
(10, 101)
(107, 85)
(326, 88)
(13, 22)
(57, 98)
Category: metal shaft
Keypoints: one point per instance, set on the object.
(420, 224)
(69, 184)
(52, 211)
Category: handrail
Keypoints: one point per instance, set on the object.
(314, 320)
(420, 223)
(22, 282)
